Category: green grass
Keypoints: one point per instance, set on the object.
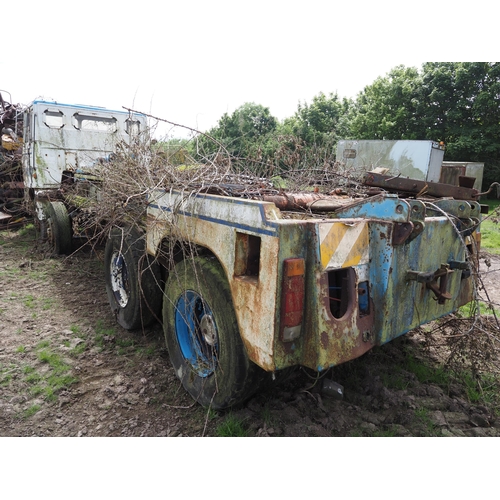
(422, 416)
(33, 378)
(37, 275)
(48, 303)
(57, 382)
(232, 426)
(29, 301)
(490, 230)
(28, 369)
(395, 380)
(389, 432)
(27, 230)
(146, 352)
(482, 390)
(123, 345)
(470, 309)
(78, 349)
(75, 329)
(426, 373)
(48, 384)
(54, 360)
(102, 334)
(31, 411)
(6, 373)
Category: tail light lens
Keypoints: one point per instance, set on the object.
(292, 299)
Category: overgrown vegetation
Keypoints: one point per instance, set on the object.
(457, 103)
(231, 426)
(490, 228)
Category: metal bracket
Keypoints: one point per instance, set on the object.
(437, 281)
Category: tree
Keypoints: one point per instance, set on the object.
(321, 122)
(243, 130)
(454, 102)
(389, 107)
(462, 102)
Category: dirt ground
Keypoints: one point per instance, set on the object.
(67, 369)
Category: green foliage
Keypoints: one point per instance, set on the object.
(242, 133)
(43, 344)
(80, 348)
(31, 411)
(483, 389)
(175, 151)
(54, 360)
(390, 431)
(28, 230)
(490, 228)
(232, 426)
(472, 308)
(48, 382)
(322, 122)
(454, 102)
(389, 108)
(29, 301)
(422, 415)
(426, 373)
(103, 334)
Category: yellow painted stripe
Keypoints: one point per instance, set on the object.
(360, 249)
(344, 245)
(331, 241)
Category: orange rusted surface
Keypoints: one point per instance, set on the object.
(358, 270)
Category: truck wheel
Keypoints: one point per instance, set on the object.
(202, 336)
(132, 279)
(56, 227)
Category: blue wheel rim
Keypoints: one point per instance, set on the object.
(196, 333)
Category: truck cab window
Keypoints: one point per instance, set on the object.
(133, 127)
(94, 123)
(53, 119)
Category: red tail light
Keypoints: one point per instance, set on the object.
(292, 299)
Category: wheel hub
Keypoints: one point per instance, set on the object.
(119, 279)
(208, 330)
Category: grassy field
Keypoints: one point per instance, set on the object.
(490, 227)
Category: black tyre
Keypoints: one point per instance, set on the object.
(133, 279)
(202, 336)
(56, 228)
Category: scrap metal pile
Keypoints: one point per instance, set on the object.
(11, 176)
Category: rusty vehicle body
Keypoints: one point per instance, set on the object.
(325, 288)
(245, 286)
(61, 146)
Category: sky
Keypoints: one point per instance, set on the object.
(191, 62)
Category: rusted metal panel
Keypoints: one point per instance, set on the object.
(381, 207)
(404, 303)
(214, 222)
(472, 170)
(365, 259)
(313, 201)
(450, 174)
(420, 188)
